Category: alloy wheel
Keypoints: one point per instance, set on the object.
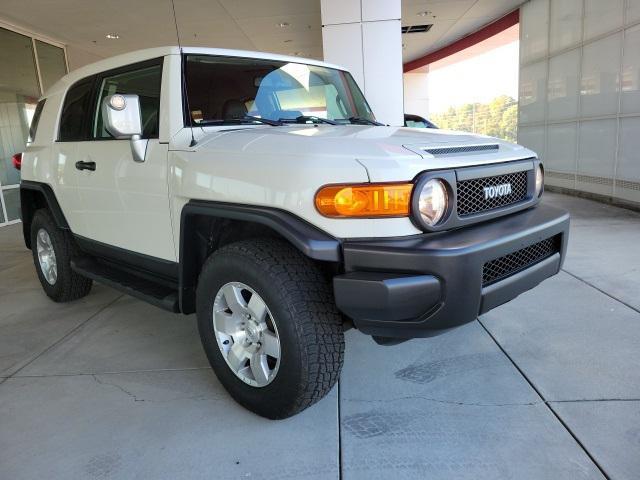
(246, 334)
(47, 257)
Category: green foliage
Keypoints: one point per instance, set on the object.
(498, 118)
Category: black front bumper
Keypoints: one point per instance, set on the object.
(422, 285)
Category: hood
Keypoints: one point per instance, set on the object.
(388, 153)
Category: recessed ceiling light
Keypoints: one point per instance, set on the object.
(283, 24)
(112, 36)
(423, 14)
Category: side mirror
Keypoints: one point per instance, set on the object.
(121, 118)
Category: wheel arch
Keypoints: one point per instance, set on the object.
(36, 195)
(206, 226)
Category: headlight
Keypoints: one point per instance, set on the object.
(433, 202)
(539, 180)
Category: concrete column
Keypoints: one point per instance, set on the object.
(416, 88)
(364, 37)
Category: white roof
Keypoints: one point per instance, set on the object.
(151, 53)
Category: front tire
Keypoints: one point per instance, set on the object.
(52, 250)
(269, 326)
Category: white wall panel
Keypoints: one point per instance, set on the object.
(591, 118)
(629, 158)
(340, 11)
(533, 138)
(533, 88)
(382, 48)
(602, 16)
(630, 101)
(416, 93)
(342, 45)
(632, 13)
(628, 170)
(371, 50)
(563, 85)
(600, 72)
(565, 24)
(373, 10)
(534, 27)
(597, 147)
(561, 147)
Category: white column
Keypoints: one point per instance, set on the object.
(364, 37)
(416, 88)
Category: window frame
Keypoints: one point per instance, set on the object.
(119, 71)
(92, 107)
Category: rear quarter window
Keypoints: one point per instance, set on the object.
(75, 111)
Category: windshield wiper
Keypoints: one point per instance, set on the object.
(364, 121)
(307, 118)
(245, 119)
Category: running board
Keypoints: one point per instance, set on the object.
(159, 295)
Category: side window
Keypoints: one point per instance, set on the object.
(35, 120)
(74, 111)
(145, 83)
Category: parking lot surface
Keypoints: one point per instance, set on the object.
(545, 387)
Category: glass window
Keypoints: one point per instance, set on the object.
(73, 117)
(146, 84)
(51, 63)
(12, 203)
(226, 90)
(35, 120)
(19, 92)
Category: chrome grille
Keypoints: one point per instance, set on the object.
(504, 267)
(471, 196)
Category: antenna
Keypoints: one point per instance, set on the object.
(183, 78)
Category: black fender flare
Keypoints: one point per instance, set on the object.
(28, 205)
(308, 239)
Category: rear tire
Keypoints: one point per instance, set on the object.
(300, 312)
(52, 250)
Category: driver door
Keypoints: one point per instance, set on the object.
(125, 203)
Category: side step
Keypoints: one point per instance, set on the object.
(151, 292)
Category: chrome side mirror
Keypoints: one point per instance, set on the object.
(122, 119)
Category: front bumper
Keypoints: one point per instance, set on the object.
(422, 285)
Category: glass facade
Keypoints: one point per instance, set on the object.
(27, 67)
(580, 93)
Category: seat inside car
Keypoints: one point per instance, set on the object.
(234, 109)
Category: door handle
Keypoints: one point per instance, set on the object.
(86, 165)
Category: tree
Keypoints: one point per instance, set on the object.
(498, 118)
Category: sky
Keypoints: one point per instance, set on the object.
(475, 76)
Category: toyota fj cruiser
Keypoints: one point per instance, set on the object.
(259, 192)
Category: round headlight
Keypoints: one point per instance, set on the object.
(433, 201)
(539, 180)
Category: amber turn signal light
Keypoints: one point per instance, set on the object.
(365, 200)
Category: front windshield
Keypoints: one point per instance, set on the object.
(228, 90)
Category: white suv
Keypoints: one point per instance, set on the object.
(259, 192)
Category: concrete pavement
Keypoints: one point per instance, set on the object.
(547, 386)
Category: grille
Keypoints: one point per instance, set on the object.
(461, 149)
(503, 267)
(471, 195)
